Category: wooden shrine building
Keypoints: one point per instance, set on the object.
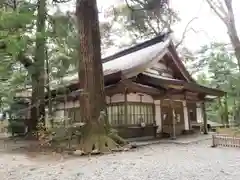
(148, 92)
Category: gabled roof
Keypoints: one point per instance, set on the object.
(146, 54)
(135, 60)
(178, 62)
(139, 60)
(137, 47)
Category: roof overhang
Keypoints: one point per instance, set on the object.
(168, 83)
(127, 85)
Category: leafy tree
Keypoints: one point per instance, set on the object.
(22, 47)
(219, 69)
(16, 23)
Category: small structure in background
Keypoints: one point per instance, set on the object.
(17, 115)
(214, 125)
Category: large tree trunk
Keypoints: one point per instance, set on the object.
(50, 105)
(232, 32)
(92, 98)
(38, 71)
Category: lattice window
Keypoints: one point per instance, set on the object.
(136, 114)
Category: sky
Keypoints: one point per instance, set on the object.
(207, 27)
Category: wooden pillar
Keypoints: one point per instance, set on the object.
(186, 118)
(226, 110)
(205, 128)
(173, 120)
(158, 117)
(65, 108)
(199, 112)
(125, 107)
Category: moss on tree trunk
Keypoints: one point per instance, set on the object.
(92, 97)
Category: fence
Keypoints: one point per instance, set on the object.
(225, 141)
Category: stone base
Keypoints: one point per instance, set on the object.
(165, 135)
(173, 138)
(190, 131)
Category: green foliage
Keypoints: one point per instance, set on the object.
(217, 68)
(15, 25)
(141, 19)
(17, 127)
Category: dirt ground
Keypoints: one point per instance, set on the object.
(160, 161)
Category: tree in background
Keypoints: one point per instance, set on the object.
(17, 22)
(38, 68)
(224, 10)
(22, 47)
(221, 65)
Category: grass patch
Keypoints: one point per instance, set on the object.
(229, 131)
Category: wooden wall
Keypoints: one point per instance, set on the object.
(167, 116)
(192, 113)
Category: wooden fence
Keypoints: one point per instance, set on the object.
(225, 141)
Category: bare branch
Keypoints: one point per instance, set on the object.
(151, 26)
(147, 5)
(216, 10)
(185, 31)
(222, 9)
(228, 4)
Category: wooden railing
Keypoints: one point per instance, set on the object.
(225, 141)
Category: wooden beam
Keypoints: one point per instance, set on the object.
(159, 82)
(132, 87)
(114, 89)
(168, 71)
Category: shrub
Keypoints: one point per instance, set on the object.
(17, 127)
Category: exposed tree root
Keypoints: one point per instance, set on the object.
(97, 143)
(119, 140)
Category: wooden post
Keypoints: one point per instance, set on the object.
(65, 108)
(185, 115)
(213, 141)
(173, 120)
(110, 121)
(226, 110)
(205, 128)
(125, 107)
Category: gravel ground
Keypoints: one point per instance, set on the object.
(162, 161)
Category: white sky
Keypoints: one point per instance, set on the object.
(208, 26)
